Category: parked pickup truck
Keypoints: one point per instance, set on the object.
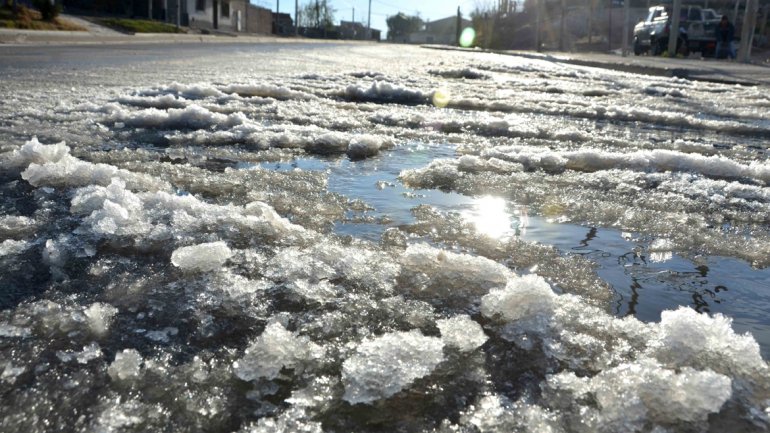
(696, 31)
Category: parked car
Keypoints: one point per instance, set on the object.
(711, 15)
(696, 31)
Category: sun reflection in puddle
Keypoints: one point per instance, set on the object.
(493, 217)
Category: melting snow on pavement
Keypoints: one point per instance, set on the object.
(160, 276)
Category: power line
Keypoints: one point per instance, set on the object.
(399, 8)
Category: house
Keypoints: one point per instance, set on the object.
(357, 31)
(282, 24)
(223, 15)
(238, 16)
(259, 20)
(352, 30)
(443, 31)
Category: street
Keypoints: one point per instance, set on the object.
(371, 237)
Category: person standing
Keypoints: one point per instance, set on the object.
(725, 32)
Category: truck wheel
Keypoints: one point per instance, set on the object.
(637, 47)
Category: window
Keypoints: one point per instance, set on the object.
(657, 13)
(200, 5)
(225, 8)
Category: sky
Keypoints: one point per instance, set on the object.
(381, 9)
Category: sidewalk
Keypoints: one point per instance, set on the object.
(711, 70)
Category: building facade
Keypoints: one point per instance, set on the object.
(443, 31)
(224, 15)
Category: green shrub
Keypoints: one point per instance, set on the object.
(48, 9)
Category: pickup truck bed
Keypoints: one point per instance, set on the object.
(696, 32)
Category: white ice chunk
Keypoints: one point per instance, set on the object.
(162, 335)
(366, 145)
(89, 353)
(443, 274)
(160, 102)
(385, 365)
(661, 250)
(99, 317)
(330, 143)
(10, 373)
(461, 332)
(277, 223)
(329, 260)
(293, 420)
(16, 226)
(202, 257)
(10, 247)
(126, 414)
(385, 92)
(193, 116)
(275, 349)
(495, 413)
(694, 339)
(524, 297)
(644, 160)
(34, 152)
(127, 365)
(266, 91)
(524, 306)
(192, 91)
(114, 210)
(322, 291)
(52, 165)
(12, 331)
(633, 394)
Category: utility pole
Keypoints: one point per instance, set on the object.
(591, 8)
(296, 17)
(369, 22)
(609, 30)
(626, 25)
(747, 30)
(561, 25)
(457, 27)
(149, 9)
(354, 15)
(673, 32)
(178, 13)
(538, 5)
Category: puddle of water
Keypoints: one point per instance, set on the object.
(646, 282)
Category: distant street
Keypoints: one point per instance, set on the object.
(86, 56)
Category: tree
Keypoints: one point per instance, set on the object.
(401, 25)
(316, 13)
(48, 9)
